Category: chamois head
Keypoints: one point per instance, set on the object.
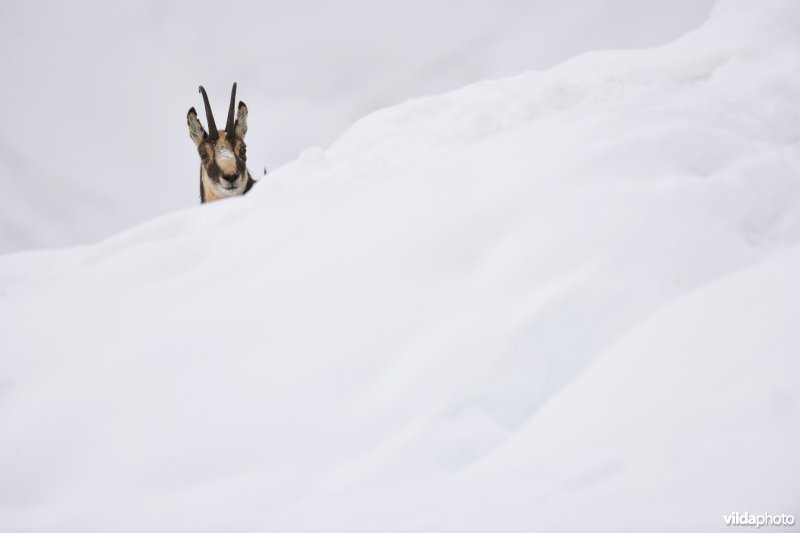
(223, 154)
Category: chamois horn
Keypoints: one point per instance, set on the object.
(213, 134)
(229, 124)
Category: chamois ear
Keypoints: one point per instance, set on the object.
(241, 121)
(196, 131)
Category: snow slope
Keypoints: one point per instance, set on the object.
(94, 94)
(560, 301)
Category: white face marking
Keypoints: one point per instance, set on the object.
(226, 160)
(225, 155)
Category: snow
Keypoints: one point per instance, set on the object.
(94, 102)
(561, 301)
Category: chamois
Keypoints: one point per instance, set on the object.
(223, 154)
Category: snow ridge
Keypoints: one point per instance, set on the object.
(559, 301)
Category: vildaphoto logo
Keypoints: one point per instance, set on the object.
(764, 519)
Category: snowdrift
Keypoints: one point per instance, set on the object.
(562, 301)
(93, 139)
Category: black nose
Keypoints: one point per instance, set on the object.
(230, 178)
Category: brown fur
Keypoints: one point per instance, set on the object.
(224, 156)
